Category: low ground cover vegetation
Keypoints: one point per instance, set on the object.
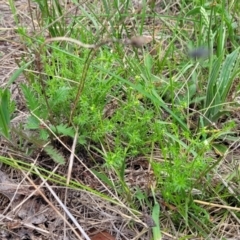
(127, 114)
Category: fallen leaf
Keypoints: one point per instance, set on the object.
(103, 236)
(9, 188)
(33, 212)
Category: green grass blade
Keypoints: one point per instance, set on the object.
(225, 80)
(219, 84)
(155, 215)
(104, 178)
(5, 114)
(211, 90)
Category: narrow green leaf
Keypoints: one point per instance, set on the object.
(219, 84)
(212, 90)
(5, 114)
(155, 215)
(104, 178)
(17, 73)
(220, 149)
(225, 79)
(193, 11)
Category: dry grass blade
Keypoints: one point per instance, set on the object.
(217, 205)
(70, 165)
(72, 156)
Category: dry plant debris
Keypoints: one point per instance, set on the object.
(25, 209)
(11, 189)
